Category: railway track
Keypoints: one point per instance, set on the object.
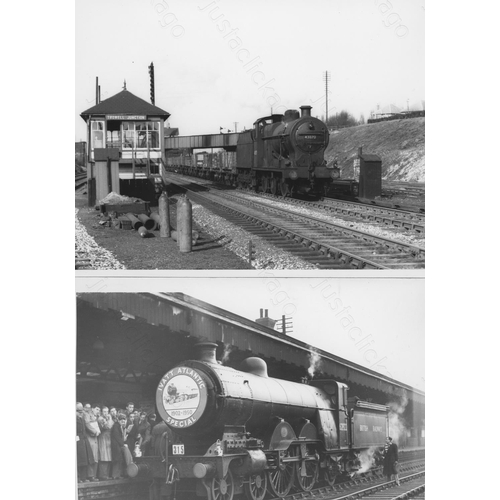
(371, 485)
(80, 181)
(390, 189)
(396, 188)
(404, 219)
(407, 219)
(325, 244)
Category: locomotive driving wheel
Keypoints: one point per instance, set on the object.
(331, 472)
(281, 480)
(255, 488)
(307, 473)
(284, 188)
(273, 185)
(223, 489)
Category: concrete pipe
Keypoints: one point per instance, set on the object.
(136, 223)
(146, 221)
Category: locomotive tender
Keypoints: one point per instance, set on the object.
(241, 431)
(281, 154)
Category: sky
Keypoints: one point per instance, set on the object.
(377, 323)
(218, 62)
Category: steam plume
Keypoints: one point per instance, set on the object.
(227, 351)
(397, 427)
(315, 362)
(367, 459)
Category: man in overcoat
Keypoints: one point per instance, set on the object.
(93, 431)
(84, 455)
(118, 443)
(391, 464)
(105, 422)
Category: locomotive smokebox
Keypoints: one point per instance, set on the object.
(256, 366)
(205, 351)
(305, 111)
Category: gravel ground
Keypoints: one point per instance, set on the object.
(87, 248)
(372, 228)
(236, 240)
(221, 245)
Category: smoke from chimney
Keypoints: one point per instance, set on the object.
(314, 362)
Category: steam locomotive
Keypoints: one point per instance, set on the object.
(281, 154)
(241, 431)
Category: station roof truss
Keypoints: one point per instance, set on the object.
(193, 318)
(125, 103)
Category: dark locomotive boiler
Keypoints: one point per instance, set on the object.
(241, 431)
(284, 154)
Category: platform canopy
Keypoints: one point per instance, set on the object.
(172, 316)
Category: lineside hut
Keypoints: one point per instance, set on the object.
(131, 130)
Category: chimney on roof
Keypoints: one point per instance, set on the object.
(265, 320)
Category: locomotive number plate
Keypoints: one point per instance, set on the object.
(177, 449)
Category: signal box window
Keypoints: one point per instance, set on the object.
(97, 134)
(113, 138)
(128, 135)
(138, 135)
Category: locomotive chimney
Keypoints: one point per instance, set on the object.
(206, 352)
(305, 110)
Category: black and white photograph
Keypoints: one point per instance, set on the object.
(249, 249)
(249, 135)
(270, 388)
(237, 299)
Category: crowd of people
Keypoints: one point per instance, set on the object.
(109, 438)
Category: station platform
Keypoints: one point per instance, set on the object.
(123, 489)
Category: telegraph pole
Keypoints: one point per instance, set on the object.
(326, 78)
(152, 83)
